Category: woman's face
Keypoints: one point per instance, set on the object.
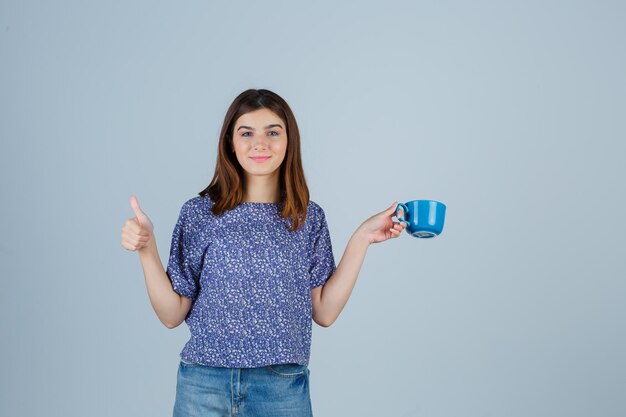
(260, 142)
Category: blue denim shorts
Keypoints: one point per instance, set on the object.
(273, 390)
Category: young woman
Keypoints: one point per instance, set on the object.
(250, 267)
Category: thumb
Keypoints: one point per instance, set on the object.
(392, 209)
(134, 204)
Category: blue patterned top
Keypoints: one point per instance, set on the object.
(250, 279)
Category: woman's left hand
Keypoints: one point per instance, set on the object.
(380, 227)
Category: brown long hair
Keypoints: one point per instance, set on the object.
(227, 186)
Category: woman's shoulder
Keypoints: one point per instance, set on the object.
(314, 207)
(197, 205)
(315, 212)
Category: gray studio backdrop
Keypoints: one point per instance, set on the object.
(512, 113)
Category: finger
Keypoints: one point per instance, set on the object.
(134, 204)
(126, 243)
(133, 240)
(138, 229)
(400, 210)
(134, 226)
(399, 226)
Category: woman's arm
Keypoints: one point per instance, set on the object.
(138, 235)
(170, 307)
(330, 299)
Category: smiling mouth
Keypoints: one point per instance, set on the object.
(260, 158)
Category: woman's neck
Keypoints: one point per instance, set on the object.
(262, 189)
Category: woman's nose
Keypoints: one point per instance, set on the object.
(260, 142)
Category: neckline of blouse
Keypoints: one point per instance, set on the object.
(259, 204)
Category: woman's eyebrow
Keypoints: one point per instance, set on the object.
(266, 127)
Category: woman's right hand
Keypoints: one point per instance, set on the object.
(137, 232)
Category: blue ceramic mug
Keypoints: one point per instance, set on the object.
(423, 218)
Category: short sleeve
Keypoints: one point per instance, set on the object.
(322, 259)
(184, 265)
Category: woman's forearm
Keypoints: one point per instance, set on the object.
(339, 286)
(166, 303)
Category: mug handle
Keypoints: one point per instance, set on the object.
(406, 210)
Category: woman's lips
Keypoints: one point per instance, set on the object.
(260, 158)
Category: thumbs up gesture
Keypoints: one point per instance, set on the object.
(137, 232)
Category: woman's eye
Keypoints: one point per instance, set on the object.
(270, 133)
